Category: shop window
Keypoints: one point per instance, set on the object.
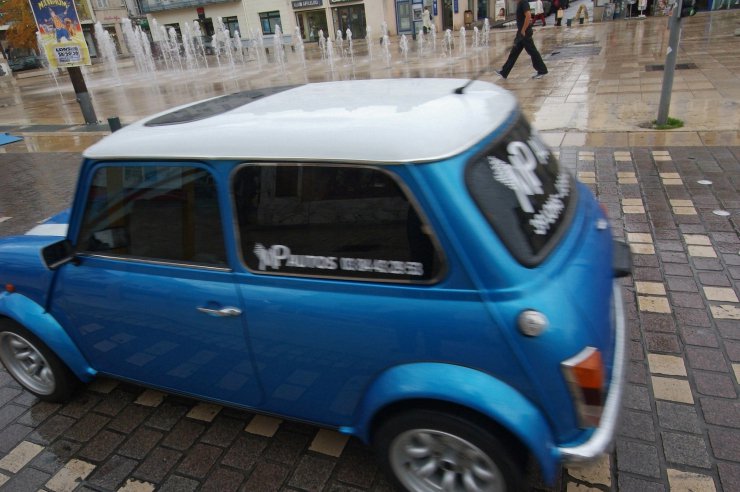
(232, 24)
(331, 221)
(269, 20)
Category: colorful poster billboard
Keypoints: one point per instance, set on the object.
(60, 33)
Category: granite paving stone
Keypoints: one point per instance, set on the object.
(729, 475)
(198, 460)
(685, 449)
(638, 458)
(721, 412)
(312, 473)
(101, 446)
(113, 472)
(678, 416)
(714, 384)
(724, 443)
(706, 359)
(267, 477)
(157, 464)
(223, 480)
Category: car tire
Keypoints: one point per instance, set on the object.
(34, 365)
(421, 449)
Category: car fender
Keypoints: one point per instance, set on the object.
(465, 387)
(33, 317)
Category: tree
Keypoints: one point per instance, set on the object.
(22, 31)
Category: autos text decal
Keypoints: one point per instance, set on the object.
(519, 175)
(278, 256)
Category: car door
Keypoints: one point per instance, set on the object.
(343, 278)
(152, 298)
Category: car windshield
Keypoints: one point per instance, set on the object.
(522, 191)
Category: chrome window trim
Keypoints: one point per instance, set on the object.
(410, 197)
(602, 438)
(147, 261)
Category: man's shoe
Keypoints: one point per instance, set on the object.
(539, 75)
(500, 74)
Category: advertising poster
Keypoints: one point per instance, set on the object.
(61, 33)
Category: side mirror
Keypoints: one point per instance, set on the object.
(58, 254)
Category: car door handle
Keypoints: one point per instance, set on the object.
(223, 312)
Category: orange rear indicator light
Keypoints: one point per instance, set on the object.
(585, 376)
(10, 288)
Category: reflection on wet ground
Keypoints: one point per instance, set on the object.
(601, 88)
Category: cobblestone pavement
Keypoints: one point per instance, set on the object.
(681, 421)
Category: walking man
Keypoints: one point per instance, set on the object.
(523, 41)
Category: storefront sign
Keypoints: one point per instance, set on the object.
(301, 4)
(342, 1)
(456, 6)
(434, 8)
(60, 33)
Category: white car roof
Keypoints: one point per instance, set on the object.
(374, 121)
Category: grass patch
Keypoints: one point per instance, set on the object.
(671, 124)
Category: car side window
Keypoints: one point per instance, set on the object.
(349, 222)
(167, 213)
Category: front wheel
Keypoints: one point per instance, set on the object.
(33, 364)
(430, 451)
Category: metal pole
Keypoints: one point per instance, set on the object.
(670, 64)
(83, 98)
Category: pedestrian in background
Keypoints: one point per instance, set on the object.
(539, 12)
(524, 41)
(426, 20)
(559, 16)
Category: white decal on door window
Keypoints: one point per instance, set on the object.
(278, 256)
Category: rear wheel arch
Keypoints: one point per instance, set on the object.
(520, 450)
(458, 444)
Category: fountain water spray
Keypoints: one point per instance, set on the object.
(476, 37)
(107, 49)
(370, 44)
(174, 47)
(278, 45)
(350, 45)
(434, 39)
(138, 47)
(298, 44)
(191, 57)
(238, 46)
(448, 43)
(404, 45)
(463, 46)
(199, 41)
(322, 44)
(387, 50)
(486, 31)
(340, 44)
(330, 53)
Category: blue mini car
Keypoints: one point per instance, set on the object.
(400, 260)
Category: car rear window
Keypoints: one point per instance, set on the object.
(342, 222)
(523, 192)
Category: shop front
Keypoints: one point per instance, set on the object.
(349, 14)
(310, 16)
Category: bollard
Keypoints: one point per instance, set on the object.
(114, 123)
